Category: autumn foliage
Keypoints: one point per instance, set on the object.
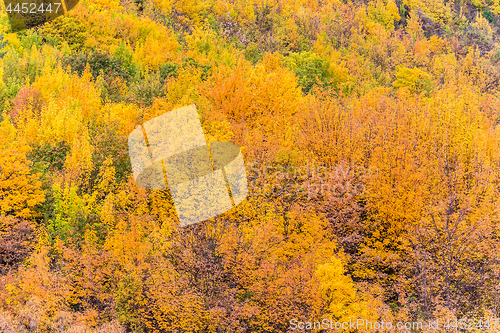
(370, 134)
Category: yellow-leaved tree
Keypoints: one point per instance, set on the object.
(19, 189)
(343, 300)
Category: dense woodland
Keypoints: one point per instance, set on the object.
(392, 109)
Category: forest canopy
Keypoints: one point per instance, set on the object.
(370, 133)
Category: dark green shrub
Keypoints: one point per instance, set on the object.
(107, 67)
(99, 63)
(310, 69)
(169, 70)
(48, 157)
(488, 14)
